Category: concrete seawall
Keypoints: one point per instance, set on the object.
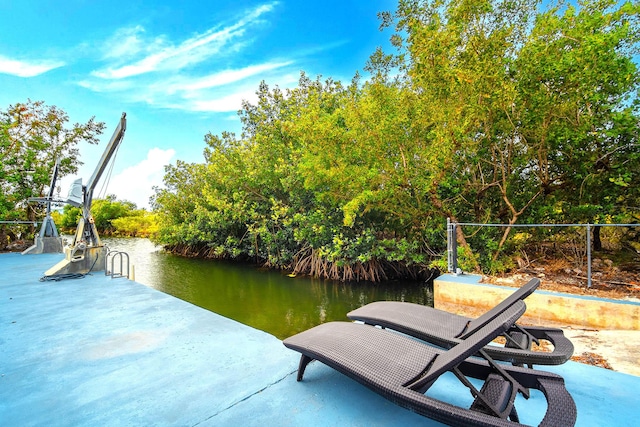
(542, 306)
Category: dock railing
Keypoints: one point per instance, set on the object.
(452, 242)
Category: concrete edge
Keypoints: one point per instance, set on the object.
(542, 306)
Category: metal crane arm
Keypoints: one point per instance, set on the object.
(118, 134)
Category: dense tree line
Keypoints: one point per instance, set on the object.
(488, 111)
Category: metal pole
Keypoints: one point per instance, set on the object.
(588, 255)
(452, 247)
(449, 260)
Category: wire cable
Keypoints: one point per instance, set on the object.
(105, 184)
(65, 276)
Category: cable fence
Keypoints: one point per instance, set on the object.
(581, 253)
(34, 223)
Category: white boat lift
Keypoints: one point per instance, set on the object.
(86, 252)
(47, 240)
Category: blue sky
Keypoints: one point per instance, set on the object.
(179, 69)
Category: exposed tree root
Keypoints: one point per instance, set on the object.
(309, 262)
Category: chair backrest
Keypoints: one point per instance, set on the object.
(520, 294)
(449, 359)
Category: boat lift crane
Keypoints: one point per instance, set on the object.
(86, 252)
(47, 240)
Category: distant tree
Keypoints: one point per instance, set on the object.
(69, 217)
(33, 136)
(6, 205)
(104, 211)
(177, 204)
(112, 217)
(139, 223)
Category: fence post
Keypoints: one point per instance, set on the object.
(452, 247)
(449, 260)
(588, 255)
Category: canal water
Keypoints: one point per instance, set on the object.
(264, 299)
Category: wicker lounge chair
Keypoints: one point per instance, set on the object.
(446, 329)
(403, 369)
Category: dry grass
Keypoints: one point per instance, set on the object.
(594, 359)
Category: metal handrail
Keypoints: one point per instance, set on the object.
(121, 255)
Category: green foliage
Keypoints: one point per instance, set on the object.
(539, 108)
(32, 137)
(112, 217)
(104, 211)
(69, 218)
(489, 111)
(297, 191)
(138, 223)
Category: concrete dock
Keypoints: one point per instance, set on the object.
(110, 352)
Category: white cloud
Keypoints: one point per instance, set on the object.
(221, 91)
(129, 42)
(27, 68)
(232, 101)
(111, 86)
(163, 56)
(136, 183)
(205, 72)
(226, 77)
(197, 73)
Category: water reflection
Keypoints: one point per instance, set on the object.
(264, 299)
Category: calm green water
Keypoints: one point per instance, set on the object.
(264, 299)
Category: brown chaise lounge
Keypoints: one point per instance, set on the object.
(403, 369)
(447, 329)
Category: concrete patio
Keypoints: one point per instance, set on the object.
(102, 351)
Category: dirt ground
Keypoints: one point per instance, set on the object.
(618, 350)
(606, 282)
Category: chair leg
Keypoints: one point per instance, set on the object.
(304, 361)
